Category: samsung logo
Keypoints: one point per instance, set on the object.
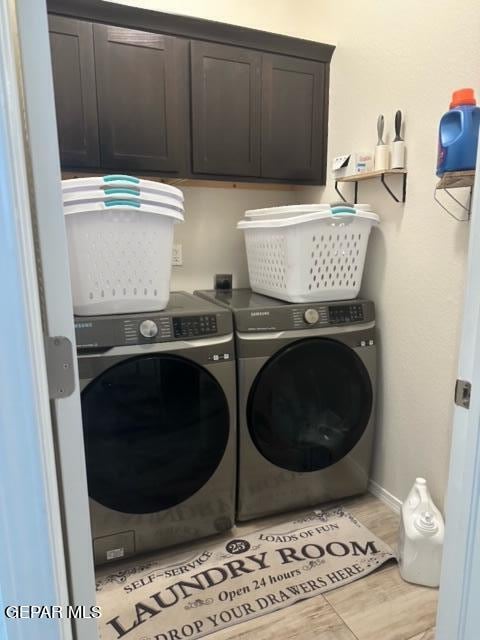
(259, 313)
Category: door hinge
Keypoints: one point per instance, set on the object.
(60, 370)
(463, 390)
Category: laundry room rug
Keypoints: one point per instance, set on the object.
(238, 579)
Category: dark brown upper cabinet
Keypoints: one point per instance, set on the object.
(184, 97)
(293, 118)
(71, 43)
(141, 89)
(225, 85)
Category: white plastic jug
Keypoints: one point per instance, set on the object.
(420, 540)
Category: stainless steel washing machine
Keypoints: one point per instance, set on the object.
(159, 420)
(306, 400)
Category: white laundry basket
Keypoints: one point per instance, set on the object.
(121, 181)
(120, 254)
(84, 197)
(274, 213)
(309, 256)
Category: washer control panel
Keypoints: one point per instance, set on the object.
(136, 330)
(148, 328)
(345, 313)
(194, 326)
(311, 316)
(186, 318)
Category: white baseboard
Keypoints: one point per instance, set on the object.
(385, 496)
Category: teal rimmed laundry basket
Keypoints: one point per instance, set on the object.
(307, 253)
(120, 241)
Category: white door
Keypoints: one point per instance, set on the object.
(459, 608)
(46, 553)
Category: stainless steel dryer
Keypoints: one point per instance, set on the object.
(306, 397)
(159, 421)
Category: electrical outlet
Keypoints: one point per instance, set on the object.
(177, 258)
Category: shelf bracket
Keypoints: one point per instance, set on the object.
(404, 188)
(355, 200)
(382, 178)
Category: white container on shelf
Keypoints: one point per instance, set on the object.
(420, 540)
(352, 163)
(121, 181)
(382, 157)
(120, 255)
(310, 256)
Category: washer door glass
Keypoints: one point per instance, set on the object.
(309, 405)
(155, 428)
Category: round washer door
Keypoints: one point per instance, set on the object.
(309, 405)
(155, 428)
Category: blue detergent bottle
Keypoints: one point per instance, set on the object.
(458, 134)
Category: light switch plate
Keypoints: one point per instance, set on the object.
(177, 256)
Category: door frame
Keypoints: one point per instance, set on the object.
(458, 612)
(42, 264)
(32, 563)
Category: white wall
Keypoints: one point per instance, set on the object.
(409, 55)
(277, 16)
(398, 54)
(210, 241)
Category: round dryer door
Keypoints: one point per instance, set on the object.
(309, 405)
(156, 428)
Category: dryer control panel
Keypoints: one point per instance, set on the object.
(315, 315)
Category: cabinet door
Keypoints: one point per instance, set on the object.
(71, 43)
(225, 109)
(293, 128)
(141, 99)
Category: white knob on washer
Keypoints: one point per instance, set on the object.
(311, 316)
(148, 329)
